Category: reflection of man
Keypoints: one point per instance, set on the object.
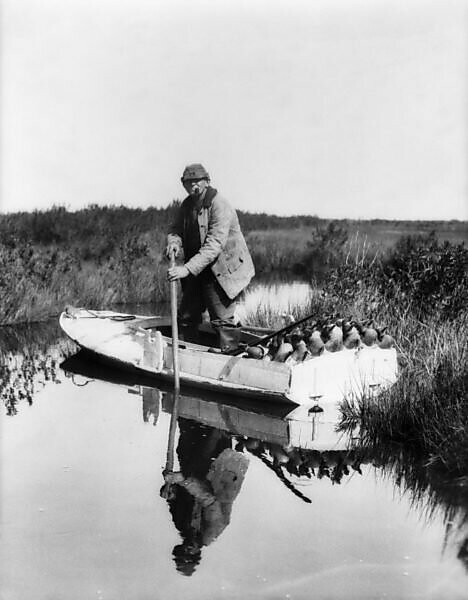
(217, 263)
(200, 497)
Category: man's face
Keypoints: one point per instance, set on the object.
(195, 187)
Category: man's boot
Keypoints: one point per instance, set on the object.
(229, 337)
(188, 332)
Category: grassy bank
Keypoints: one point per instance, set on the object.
(419, 291)
(38, 282)
(312, 249)
(103, 256)
(95, 257)
(427, 409)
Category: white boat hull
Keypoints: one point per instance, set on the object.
(329, 378)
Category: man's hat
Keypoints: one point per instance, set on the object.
(195, 171)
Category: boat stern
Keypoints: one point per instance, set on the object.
(348, 374)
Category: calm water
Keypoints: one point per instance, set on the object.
(269, 507)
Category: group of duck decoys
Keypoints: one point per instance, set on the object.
(327, 335)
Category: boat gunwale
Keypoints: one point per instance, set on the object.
(187, 379)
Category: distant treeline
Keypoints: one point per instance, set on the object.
(60, 226)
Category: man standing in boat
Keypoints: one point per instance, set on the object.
(217, 263)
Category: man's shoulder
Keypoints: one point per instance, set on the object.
(221, 201)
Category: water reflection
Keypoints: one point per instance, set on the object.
(431, 491)
(217, 437)
(274, 297)
(29, 359)
(220, 444)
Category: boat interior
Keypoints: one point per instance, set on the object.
(204, 336)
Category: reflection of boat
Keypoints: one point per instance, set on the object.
(294, 444)
(274, 423)
(138, 343)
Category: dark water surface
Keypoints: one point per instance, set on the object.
(267, 508)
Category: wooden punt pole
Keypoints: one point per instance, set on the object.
(175, 368)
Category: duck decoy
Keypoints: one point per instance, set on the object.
(299, 353)
(332, 336)
(384, 340)
(285, 349)
(315, 343)
(367, 332)
(351, 337)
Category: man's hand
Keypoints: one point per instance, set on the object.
(172, 477)
(175, 273)
(172, 249)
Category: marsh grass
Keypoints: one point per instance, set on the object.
(38, 282)
(102, 256)
(419, 291)
(427, 408)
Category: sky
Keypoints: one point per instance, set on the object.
(337, 108)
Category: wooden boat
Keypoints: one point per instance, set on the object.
(143, 343)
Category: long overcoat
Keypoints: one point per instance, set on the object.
(222, 246)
